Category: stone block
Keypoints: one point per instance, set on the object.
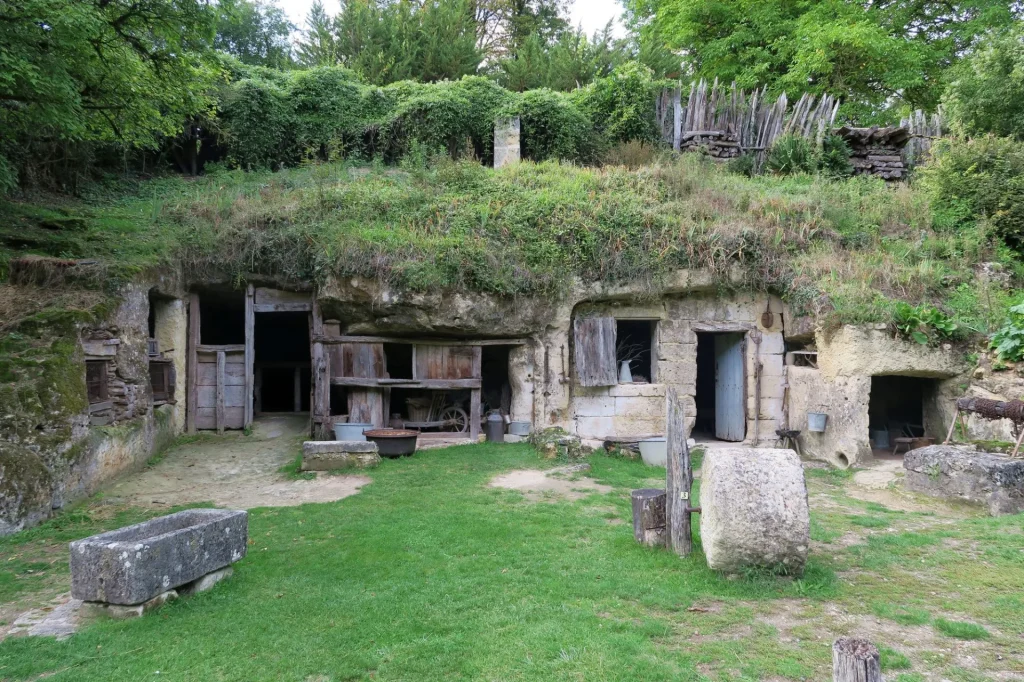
(771, 408)
(682, 308)
(595, 427)
(638, 391)
(772, 344)
(506, 141)
(773, 365)
(640, 408)
(772, 387)
(512, 438)
(134, 564)
(588, 406)
(678, 374)
(754, 510)
(206, 582)
(91, 609)
(676, 331)
(957, 473)
(677, 352)
(331, 455)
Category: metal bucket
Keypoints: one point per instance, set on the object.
(350, 431)
(495, 428)
(654, 451)
(816, 422)
(519, 428)
(881, 437)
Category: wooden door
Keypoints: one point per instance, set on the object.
(730, 389)
(363, 361)
(594, 351)
(221, 390)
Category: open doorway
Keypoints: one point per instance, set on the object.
(896, 409)
(721, 389)
(281, 362)
(496, 391)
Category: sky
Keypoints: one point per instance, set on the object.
(591, 14)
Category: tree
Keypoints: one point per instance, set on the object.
(877, 55)
(987, 91)
(318, 46)
(257, 33)
(123, 71)
(386, 41)
(570, 62)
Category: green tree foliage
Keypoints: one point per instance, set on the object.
(257, 33)
(385, 42)
(318, 46)
(552, 126)
(569, 62)
(987, 92)
(80, 71)
(976, 179)
(621, 105)
(875, 55)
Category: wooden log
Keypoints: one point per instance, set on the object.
(679, 479)
(192, 380)
(649, 521)
(220, 392)
(855, 660)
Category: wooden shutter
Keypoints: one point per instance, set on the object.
(594, 343)
(96, 380)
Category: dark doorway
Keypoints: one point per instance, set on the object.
(721, 386)
(897, 405)
(221, 318)
(281, 347)
(496, 391)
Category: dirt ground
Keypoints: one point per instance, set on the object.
(563, 483)
(235, 471)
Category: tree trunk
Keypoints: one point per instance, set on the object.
(649, 516)
(855, 660)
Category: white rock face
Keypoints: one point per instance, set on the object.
(754, 510)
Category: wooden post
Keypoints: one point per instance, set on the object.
(319, 377)
(192, 389)
(250, 353)
(297, 392)
(855, 660)
(649, 516)
(474, 396)
(221, 362)
(679, 479)
(952, 427)
(677, 119)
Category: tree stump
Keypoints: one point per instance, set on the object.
(649, 516)
(855, 660)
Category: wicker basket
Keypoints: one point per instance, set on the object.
(418, 409)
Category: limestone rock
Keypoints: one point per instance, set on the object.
(134, 564)
(91, 609)
(332, 455)
(754, 510)
(556, 442)
(959, 473)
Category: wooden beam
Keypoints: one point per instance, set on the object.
(250, 354)
(222, 348)
(297, 392)
(221, 361)
(679, 479)
(439, 384)
(192, 364)
(334, 340)
(320, 374)
(475, 405)
(283, 307)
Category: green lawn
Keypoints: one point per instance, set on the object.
(429, 574)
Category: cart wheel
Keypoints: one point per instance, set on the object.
(455, 419)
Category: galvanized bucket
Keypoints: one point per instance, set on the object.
(816, 422)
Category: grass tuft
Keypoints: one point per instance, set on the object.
(961, 629)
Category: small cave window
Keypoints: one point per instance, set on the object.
(634, 344)
(96, 380)
(162, 381)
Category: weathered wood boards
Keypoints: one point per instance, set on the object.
(220, 390)
(594, 351)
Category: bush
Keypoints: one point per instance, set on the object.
(923, 324)
(621, 106)
(1008, 342)
(328, 108)
(834, 158)
(986, 94)
(979, 178)
(258, 125)
(745, 165)
(789, 155)
(553, 127)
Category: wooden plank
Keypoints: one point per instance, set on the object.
(320, 375)
(445, 362)
(594, 351)
(234, 396)
(234, 373)
(224, 348)
(283, 307)
(366, 405)
(206, 418)
(679, 478)
(334, 340)
(474, 414)
(297, 390)
(424, 383)
(192, 362)
(250, 353)
(220, 393)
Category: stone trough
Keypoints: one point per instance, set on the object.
(142, 565)
(331, 455)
